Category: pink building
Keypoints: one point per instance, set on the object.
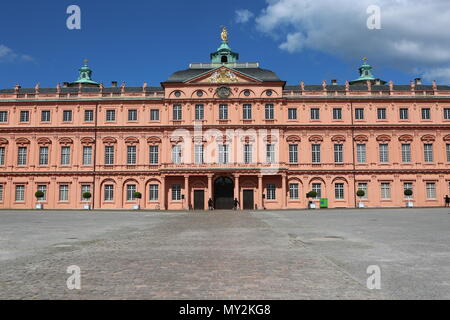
(222, 130)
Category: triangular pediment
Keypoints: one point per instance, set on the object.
(223, 75)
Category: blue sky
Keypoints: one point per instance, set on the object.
(136, 41)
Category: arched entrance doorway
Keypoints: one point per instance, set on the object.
(223, 193)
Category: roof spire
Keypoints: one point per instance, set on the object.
(365, 74)
(85, 76)
(224, 55)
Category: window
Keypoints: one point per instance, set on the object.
(154, 115)
(223, 112)
(431, 190)
(109, 192)
(176, 192)
(45, 116)
(292, 113)
(132, 115)
(428, 152)
(270, 153)
(403, 113)
(153, 192)
(247, 153)
(65, 155)
(271, 192)
(109, 155)
(198, 153)
(131, 189)
(177, 113)
(43, 189)
(407, 186)
(338, 153)
(406, 152)
(339, 191)
(269, 112)
(447, 146)
(110, 115)
(24, 116)
(43, 156)
(359, 114)
(1, 192)
(385, 191)
(447, 113)
(363, 186)
(361, 153)
(315, 154)
(85, 188)
(293, 153)
(337, 113)
(2, 156)
(64, 192)
(317, 187)
(67, 115)
(223, 153)
(293, 191)
(87, 155)
(131, 155)
(20, 193)
(384, 153)
(199, 112)
(3, 116)
(22, 156)
(154, 154)
(426, 114)
(247, 112)
(88, 115)
(176, 153)
(315, 113)
(381, 113)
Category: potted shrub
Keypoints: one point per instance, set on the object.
(138, 196)
(311, 194)
(39, 195)
(408, 193)
(360, 193)
(87, 196)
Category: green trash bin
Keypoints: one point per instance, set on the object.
(324, 203)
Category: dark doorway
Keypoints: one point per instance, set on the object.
(248, 203)
(224, 59)
(199, 200)
(223, 193)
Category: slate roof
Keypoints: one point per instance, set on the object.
(258, 73)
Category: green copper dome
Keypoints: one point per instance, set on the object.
(224, 54)
(365, 74)
(85, 76)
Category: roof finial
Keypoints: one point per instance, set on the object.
(85, 61)
(224, 34)
(365, 59)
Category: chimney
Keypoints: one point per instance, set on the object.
(418, 81)
(65, 84)
(114, 84)
(334, 82)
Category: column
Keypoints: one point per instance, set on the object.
(162, 204)
(236, 188)
(259, 200)
(209, 191)
(283, 191)
(186, 192)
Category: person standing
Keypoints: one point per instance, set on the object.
(210, 204)
(236, 204)
(447, 201)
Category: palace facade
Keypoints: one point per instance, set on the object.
(222, 130)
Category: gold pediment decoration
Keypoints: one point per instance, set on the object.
(223, 76)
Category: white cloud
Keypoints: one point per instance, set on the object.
(414, 35)
(243, 15)
(8, 55)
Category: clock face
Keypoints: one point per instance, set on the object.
(223, 92)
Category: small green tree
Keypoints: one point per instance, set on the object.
(408, 192)
(311, 194)
(137, 195)
(87, 196)
(39, 195)
(360, 193)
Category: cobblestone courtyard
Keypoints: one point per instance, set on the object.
(226, 255)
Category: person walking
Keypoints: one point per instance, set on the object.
(210, 204)
(236, 204)
(447, 201)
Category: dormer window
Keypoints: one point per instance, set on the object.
(224, 59)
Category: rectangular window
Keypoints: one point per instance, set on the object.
(1, 192)
(199, 112)
(65, 155)
(43, 156)
(293, 191)
(363, 186)
(292, 113)
(426, 114)
(3, 116)
(223, 153)
(24, 116)
(359, 114)
(407, 186)
(337, 113)
(45, 116)
(361, 153)
(110, 115)
(431, 190)
(198, 153)
(132, 115)
(293, 153)
(177, 113)
(87, 155)
(406, 152)
(381, 113)
(403, 113)
(384, 153)
(447, 146)
(88, 115)
(270, 112)
(315, 153)
(176, 154)
(176, 192)
(85, 188)
(131, 155)
(338, 153)
(2, 156)
(22, 156)
(109, 155)
(247, 112)
(270, 153)
(153, 192)
(67, 115)
(386, 191)
(109, 192)
(428, 152)
(447, 113)
(64, 192)
(131, 189)
(247, 153)
(154, 154)
(339, 191)
(271, 192)
(317, 187)
(43, 189)
(20, 193)
(154, 115)
(315, 113)
(223, 112)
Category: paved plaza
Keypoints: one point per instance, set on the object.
(321, 254)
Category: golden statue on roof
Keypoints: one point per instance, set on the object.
(224, 34)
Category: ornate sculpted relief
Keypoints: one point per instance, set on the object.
(223, 76)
